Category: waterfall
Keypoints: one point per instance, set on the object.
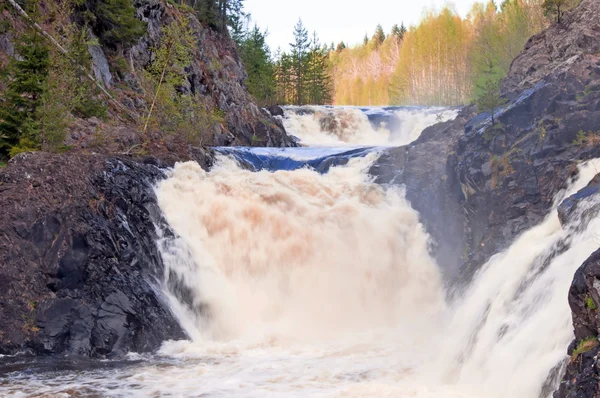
(352, 126)
(327, 277)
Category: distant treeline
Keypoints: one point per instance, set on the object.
(444, 60)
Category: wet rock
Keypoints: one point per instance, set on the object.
(275, 110)
(79, 267)
(582, 378)
(425, 168)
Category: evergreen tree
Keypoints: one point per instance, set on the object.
(256, 57)
(299, 54)
(26, 75)
(318, 81)
(398, 32)
(488, 96)
(220, 14)
(366, 40)
(379, 36)
(114, 21)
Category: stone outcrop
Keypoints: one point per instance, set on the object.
(80, 270)
(582, 377)
(425, 168)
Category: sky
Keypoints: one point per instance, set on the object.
(339, 20)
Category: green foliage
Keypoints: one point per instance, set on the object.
(256, 57)
(589, 302)
(219, 14)
(488, 91)
(24, 145)
(114, 21)
(379, 36)
(581, 138)
(398, 32)
(44, 88)
(303, 76)
(84, 102)
(26, 82)
(584, 346)
(175, 112)
(557, 8)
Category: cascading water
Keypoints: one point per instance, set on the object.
(291, 283)
(352, 126)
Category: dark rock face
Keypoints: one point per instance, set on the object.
(582, 379)
(576, 40)
(79, 266)
(425, 168)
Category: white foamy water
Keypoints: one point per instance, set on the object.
(351, 126)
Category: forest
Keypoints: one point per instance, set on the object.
(444, 60)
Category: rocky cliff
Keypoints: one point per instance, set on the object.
(215, 77)
(491, 182)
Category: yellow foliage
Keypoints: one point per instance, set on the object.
(439, 61)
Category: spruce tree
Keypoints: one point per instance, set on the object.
(256, 57)
(379, 36)
(398, 32)
(26, 76)
(299, 48)
(115, 22)
(489, 98)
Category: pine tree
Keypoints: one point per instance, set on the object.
(299, 48)
(398, 32)
(318, 81)
(256, 57)
(115, 22)
(488, 96)
(27, 76)
(379, 36)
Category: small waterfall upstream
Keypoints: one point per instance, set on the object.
(318, 126)
(295, 275)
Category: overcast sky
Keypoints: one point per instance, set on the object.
(337, 20)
